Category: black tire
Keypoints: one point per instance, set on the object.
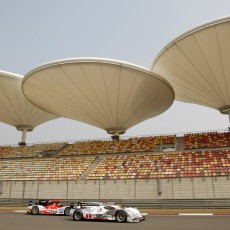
(67, 211)
(121, 216)
(78, 215)
(35, 210)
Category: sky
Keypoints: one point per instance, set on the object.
(135, 31)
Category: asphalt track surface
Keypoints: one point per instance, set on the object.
(22, 221)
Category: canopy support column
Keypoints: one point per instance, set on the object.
(24, 129)
(226, 110)
(23, 140)
(229, 122)
(116, 132)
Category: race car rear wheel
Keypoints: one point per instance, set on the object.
(67, 211)
(78, 215)
(35, 210)
(121, 216)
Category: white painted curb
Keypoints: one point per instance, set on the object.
(20, 211)
(195, 214)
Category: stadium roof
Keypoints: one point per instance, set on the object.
(15, 109)
(109, 94)
(197, 64)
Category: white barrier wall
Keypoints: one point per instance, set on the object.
(221, 187)
(16, 189)
(204, 188)
(83, 189)
(31, 189)
(52, 189)
(184, 188)
(145, 189)
(5, 189)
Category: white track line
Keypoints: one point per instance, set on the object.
(195, 214)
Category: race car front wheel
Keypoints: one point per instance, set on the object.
(67, 211)
(121, 216)
(35, 210)
(78, 215)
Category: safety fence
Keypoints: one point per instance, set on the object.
(140, 189)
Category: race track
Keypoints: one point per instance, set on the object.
(22, 221)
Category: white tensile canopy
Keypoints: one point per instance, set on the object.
(197, 64)
(109, 94)
(15, 109)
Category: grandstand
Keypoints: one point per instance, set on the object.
(137, 169)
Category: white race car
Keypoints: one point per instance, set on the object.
(105, 211)
(48, 207)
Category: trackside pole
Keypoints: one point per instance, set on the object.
(158, 177)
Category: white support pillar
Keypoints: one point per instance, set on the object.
(226, 110)
(24, 129)
(24, 132)
(229, 119)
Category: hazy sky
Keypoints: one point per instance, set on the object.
(35, 32)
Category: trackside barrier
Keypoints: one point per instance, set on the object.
(201, 191)
(155, 204)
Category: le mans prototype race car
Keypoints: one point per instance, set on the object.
(48, 207)
(105, 211)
